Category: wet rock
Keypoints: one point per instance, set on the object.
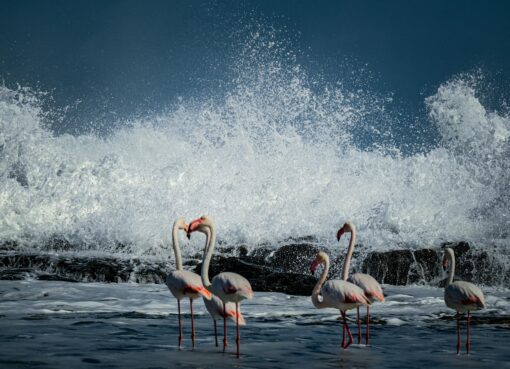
(262, 278)
(282, 270)
(391, 267)
(80, 269)
(294, 258)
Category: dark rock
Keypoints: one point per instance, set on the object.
(391, 267)
(83, 269)
(283, 270)
(426, 266)
(260, 255)
(262, 278)
(294, 258)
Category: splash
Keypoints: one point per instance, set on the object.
(274, 157)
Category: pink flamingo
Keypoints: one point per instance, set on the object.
(461, 296)
(367, 283)
(183, 283)
(339, 294)
(229, 287)
(215, 306)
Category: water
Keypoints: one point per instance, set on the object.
(59, 325)
(277, 156)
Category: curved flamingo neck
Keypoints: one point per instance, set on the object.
(210, 244)
(350, 250)
(451, 273)
(317, 302)
(177, 249)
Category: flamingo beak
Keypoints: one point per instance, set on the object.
(339, 234)
(193, 226)
(445, 264)
(314, 265)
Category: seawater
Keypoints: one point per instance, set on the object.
(62, 325)
(278, 154)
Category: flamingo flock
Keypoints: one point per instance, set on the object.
(222, 296)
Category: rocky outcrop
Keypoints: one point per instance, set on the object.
(285, 269)
(403, 267)
(80, 269)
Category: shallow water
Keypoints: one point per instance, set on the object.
(63, 325)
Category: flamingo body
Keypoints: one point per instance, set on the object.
(215, 308)
(342, 295)
(231, 287)
(183, 283)
(464, 296)
(369, 285)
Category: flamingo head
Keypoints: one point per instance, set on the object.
(347, 227)
(319, 259)
(181, 224)
(449, 257)
(446, 261)
(198, 225)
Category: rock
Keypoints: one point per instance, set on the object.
(283, 270)
(293, 258)
(262, 278)
(80, 269)
(391, 267)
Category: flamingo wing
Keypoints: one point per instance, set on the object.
(463, 296)
(369, 285)
(343, 295)
(183, 283)
(231, 287)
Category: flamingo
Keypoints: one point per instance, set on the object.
(367, 283)
(461, 296)
(183, 283)
(215, 306)
(339, 294)
(229, 287)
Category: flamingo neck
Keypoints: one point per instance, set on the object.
(209, 249)
(317, 299)
(451, 272)
(347, 261)
(177, 250)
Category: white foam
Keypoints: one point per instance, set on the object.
(405, 305)
(273, 158)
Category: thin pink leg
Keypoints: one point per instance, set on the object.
(458, 332)
(468, 343)
(348, 331)
(180, 322)
(192, 325)
(224, 328)
(368, 325)
(238, 339)
(215, 332)
(359, 327)
(343, 329)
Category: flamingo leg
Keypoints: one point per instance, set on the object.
(343, 329)
(215, 332)
(468, 343)
(359, 326)
(192, 325)
(368, 325)
(238, 339)
(180, 323)
(458, 332)
(348, 331)
(224, 328)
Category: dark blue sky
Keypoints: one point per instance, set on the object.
(129, 57)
